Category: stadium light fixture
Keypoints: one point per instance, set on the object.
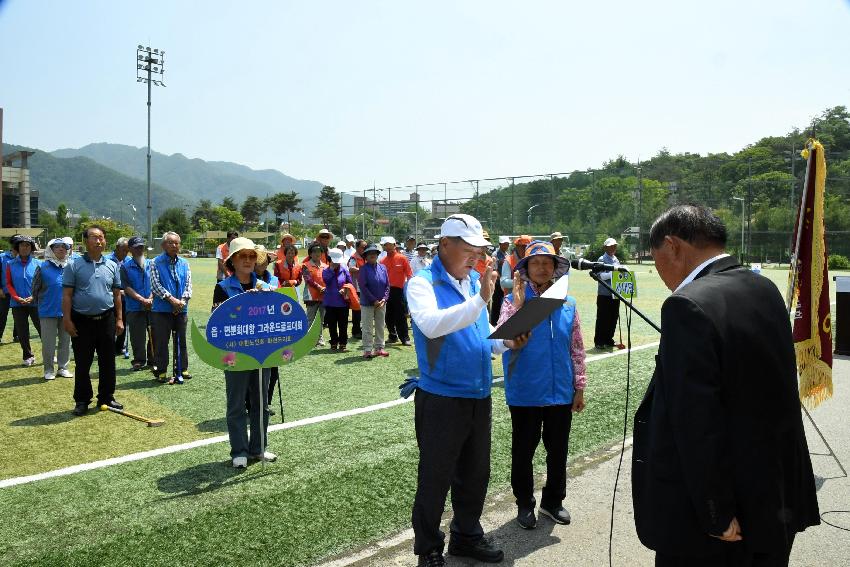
(151, 71)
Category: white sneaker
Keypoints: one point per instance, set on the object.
(268, 456)
(30, 361)
(240, 462)
(49, 376)
(65, 373)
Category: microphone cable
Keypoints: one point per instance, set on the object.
(625, 428)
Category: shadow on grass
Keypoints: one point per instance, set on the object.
(22, 382)
(351, 359)
(141, 384)
(13, 366)
(206, 477)
(217, 425)
(54, 418)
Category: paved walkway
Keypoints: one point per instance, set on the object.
(585, 541)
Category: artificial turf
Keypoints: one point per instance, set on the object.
(337, 485)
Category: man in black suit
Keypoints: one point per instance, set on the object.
(721, 473)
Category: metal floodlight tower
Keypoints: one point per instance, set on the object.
(150, 69)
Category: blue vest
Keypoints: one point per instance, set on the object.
(22, 276)
(272, 280)
(541, 373)
(233, 287)
(175, 288)
(50, 300)
(458, 364)
(5, 258)
(139, 279)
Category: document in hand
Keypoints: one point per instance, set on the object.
(533, 312)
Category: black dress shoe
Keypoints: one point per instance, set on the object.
(432, 559)
(113, 404)
(482, 550)
(559, 515)
(526, 519)
(80, 408)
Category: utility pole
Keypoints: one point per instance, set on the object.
(150, 62)
(749, 200)
(640, 212)
(513, 204)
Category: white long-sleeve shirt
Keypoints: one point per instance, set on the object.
(435, 322)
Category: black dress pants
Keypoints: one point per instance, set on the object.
(607, 308)
(163, 325)
(121, 339)
(453, 435)
(736, 555)
(496, 304)
(396, 316)
(94, 335)
(4, 315)
(21, 316)
(337, 321)
(356, 331)
(527, 424)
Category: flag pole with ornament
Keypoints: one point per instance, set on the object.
(808, 289)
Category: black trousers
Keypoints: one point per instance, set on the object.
(355, 323)
(163, 325)
(141, 343)
(274, 376)
(120, 340)
(396, 318)
(4, 314)
(94, 336)
(527, 424)
(607, 308)
(496, 305)
(21, 316)
(337, 321)
(737, 555)
(453, 435)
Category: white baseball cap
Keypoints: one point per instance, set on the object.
(465, 227)
(388, 240)
(335, 255)
(609, 242)
(349, 238)
(340, 243)
(504, 240)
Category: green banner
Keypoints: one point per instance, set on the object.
(625, 284)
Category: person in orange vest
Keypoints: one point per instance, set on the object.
(286, 239)
(398, 272)
(222, 252)
(509, 265)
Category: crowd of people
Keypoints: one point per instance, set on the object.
(721, 474)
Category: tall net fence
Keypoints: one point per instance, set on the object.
(621, 200)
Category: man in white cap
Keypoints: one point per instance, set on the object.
(453, 407)
(499, 257)
(350, 249)
(607, 306)
(557, 240)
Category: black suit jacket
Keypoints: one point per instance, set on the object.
(719, 433)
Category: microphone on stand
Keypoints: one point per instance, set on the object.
(582, 264)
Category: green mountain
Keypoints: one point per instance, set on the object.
(85, 185)
(192, 178)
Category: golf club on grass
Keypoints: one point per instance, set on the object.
(149, 421)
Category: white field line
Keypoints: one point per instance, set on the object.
(9, 482)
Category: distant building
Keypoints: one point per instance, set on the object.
(385, 208)
(19, 205)
(445, 209)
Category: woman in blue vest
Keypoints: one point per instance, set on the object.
(544, 385)
(47, 293)
(19, 275)
(242, 385)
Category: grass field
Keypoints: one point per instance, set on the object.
(337, 485)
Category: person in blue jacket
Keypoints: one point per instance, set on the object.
(47, 293)
(5, 258)
(453, 406)
(241, 386)
(171, 282)
(19, 275)
(544, 385)
(138, 297)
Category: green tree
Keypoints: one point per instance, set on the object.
(50, 224)
(329, 207)
(252, 209)
(282, 204)
(229, 203)
(226, 219)
(204, 211)
(62, 216)
(173, 219)
(113, 230)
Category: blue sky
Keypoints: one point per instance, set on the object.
(400, 92)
